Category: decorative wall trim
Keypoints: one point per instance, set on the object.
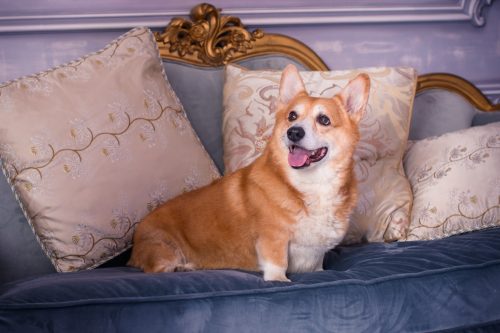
(344, 12)
(490, 90)
(476, 11)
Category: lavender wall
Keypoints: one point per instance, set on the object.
(432, 36)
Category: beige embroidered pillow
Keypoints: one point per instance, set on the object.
(382, 212)
(92, 146)
(455, 180)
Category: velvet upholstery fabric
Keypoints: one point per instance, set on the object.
(200, 93)
(398, 287)
(482, 118)
(437, 111)
(20, 254)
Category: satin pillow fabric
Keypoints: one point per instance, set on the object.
(455, 180)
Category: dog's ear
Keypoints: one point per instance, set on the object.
(355, 96)
(291, 84)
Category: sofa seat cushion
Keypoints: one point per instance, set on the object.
(412, 286)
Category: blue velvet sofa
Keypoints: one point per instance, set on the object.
(451, 284)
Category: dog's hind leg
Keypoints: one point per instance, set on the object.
(155, 253)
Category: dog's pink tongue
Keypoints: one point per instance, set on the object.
(298, 157)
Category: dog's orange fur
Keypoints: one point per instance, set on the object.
(251, 219)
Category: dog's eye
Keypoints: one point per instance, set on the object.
(324, 120)
(292, 116)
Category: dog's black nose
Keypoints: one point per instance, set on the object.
(295, 133)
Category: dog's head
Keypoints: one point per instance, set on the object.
(316, 130)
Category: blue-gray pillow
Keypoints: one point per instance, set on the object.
(20, 254)
(438, 111)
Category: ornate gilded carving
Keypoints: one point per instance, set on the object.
(212, 38)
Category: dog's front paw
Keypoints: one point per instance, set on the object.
(274, 273)
(281, 278)
(397, 228)
(393, 235)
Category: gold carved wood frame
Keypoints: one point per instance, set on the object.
(209, 39)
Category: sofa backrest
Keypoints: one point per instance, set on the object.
(446, 103)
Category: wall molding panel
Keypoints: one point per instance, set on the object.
(344, 12)
(490, 90)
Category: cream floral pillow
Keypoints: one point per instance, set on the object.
(92, 146)
(382, 213)
(455, 180)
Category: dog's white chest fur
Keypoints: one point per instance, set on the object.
(316, 230)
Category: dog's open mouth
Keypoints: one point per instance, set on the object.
(299, 157)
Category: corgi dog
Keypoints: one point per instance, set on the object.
(279, 214)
